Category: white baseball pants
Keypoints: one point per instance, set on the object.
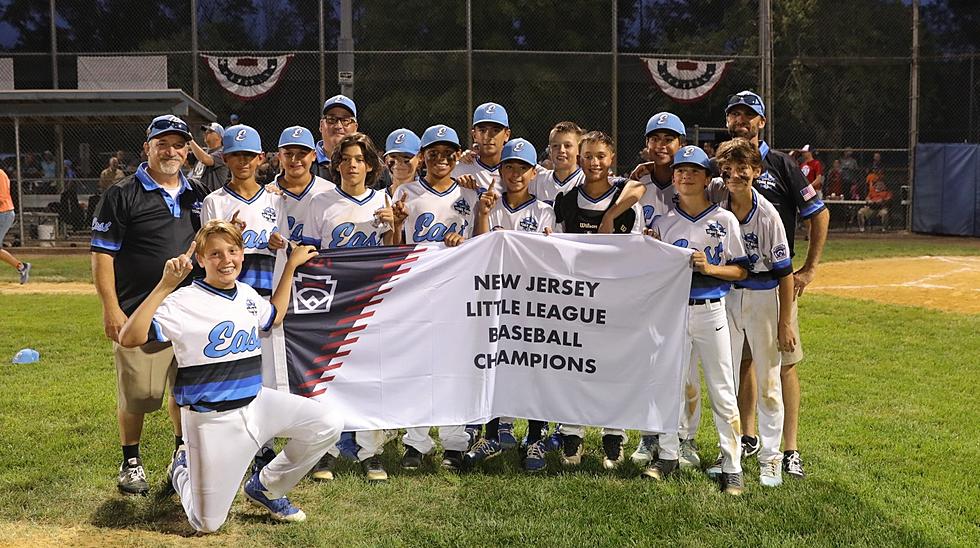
(453, 438)
(220, 447)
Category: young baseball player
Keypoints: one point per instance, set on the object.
(355, 215)
(214, 325)
(435, 209)
(298, 185)
(516, 209)
(718, 259)
(751, 305)
(563, 142)
(490, 130)
(579, 211)
(402, 158)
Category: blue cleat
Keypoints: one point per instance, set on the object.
(505, 435)
(280, 509)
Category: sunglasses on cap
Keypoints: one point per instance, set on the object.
(170, 124)
(750, 100)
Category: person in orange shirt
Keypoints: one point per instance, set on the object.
(6, 221)
(878, 198)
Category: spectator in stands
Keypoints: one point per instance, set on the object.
(878, 198)
(812, 169)
(876, 165)
(30, 169)
(6, 221)
(48, 165)
(849, 169)
(110, 174)
(835, 181)
(210, 169)
(709, 149)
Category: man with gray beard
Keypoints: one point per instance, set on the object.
(141, 221)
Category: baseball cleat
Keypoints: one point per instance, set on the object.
(714, 470)
(179, 460)
(732, 483)
(505, 435)
(132, 477)
(661, 469)
(689, 454)
(323, 470)
(485, 449)
(771, 473)
(262, 459)
(571, 450)
(452, 460)
(793, 464)
(612, 446)
(373, 469)
(534, 460)
(750, 446)
(25, 273)
(348, 447)
(280, 509)
(646, 450)
(412, 459)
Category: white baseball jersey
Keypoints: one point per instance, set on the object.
(765, 244)
(657, 200)
(432, 214)
(715, 231)
(261, 216)
(342, 220)
(215, 335)
(531, 216)
(296, 212)
(547, 185)
(482, 173)
(591, 211)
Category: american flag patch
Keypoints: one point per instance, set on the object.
(808, 192)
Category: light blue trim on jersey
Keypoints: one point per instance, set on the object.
(157, 331)
(609, 192)
(530, 201)
(755, 204)
(558, 182)
(321, 155)
(744, 262)
(785, 263)
(217, 392)
(106, 244)
(241, 198)
(425, 185)
(355, 200)
(763, 149)
(485, 166)
(699, 216)
(215, 291)
(815, 207)
(711, 292)
(758, 284)
(173, 202)
(272, 318)
(299, 196)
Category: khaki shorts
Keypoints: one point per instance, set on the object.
(142, 376)
(787, 358)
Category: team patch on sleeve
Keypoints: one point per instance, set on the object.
(780, 252)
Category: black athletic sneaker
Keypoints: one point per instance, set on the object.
(661, 469)
(412, 459)
(373, 469)
(612, 446)
(262, 459)
(750, 446)
(793, 464)
(571, 450)
(452, 460)
(132, 477)
(324, 469)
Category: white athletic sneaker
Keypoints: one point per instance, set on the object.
(771, 473)
(647, 450)
(689, 454)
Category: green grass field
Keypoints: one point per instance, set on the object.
(889, 432)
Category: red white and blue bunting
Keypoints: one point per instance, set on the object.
(247, 77)
(685, 80)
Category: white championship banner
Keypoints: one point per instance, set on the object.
(581, 329)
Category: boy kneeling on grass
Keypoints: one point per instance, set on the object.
(214, 325)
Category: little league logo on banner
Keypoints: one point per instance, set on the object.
(566, 328)
(685, 80)
(247, 77)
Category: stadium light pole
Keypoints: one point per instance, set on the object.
(469, 57)
(913, 109)
(195, 89)
(323, 56)
(345, 59)
(52, 14)
(615, 74)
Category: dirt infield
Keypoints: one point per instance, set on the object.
(31, 535)
(944, 283)
(48, 288)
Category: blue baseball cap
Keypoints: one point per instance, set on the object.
(297, 135)
(749, 99)
(666, 121)
(440, 134)
(27, 355)
(403, 141)
(693, 155)
(215, 127)
(340, 101)
(168, 123)
(491, 112)
(519, 149)
(241, 138)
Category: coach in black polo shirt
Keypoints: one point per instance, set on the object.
(142, 221)
(783, 184)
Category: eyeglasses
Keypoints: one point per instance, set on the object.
(344, 122)
(750, 100)
(168, 124)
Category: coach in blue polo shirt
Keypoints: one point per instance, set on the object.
(142, 221)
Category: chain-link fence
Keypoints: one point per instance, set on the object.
(417, 64)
